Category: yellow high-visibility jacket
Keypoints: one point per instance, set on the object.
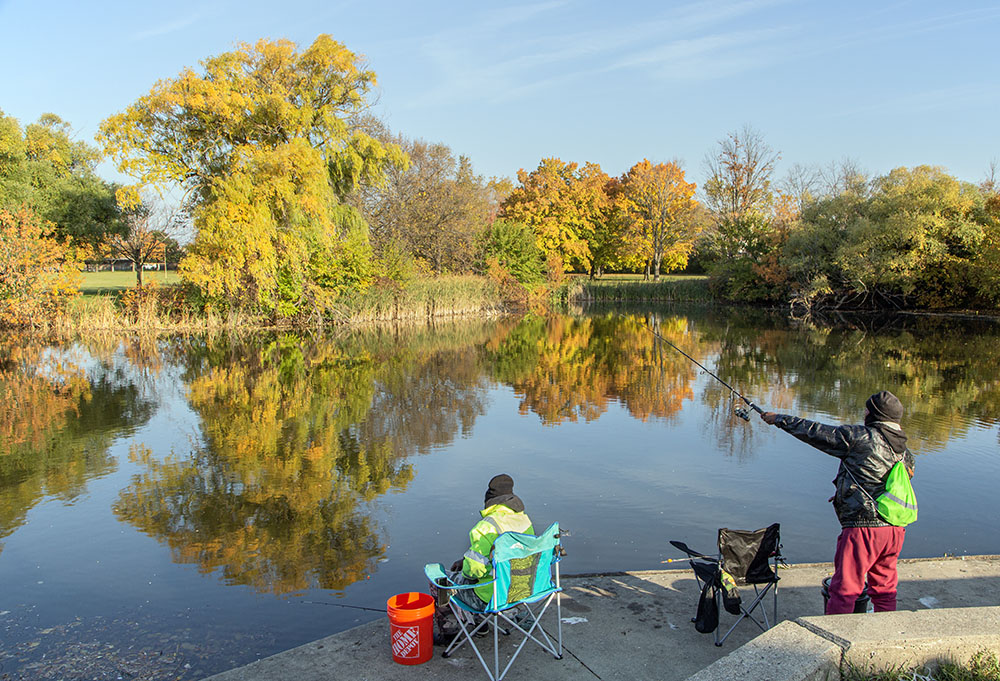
(497, 519)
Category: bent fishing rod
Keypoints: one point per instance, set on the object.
(742, 412)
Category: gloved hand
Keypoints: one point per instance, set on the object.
(769, 417)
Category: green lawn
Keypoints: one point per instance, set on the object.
(97, 283)
(639, 277)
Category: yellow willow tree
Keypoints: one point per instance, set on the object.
(267, 141)
(564, 206)
(660, 203)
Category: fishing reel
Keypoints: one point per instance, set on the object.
(743, 412)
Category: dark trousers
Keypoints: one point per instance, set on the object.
(441, 596)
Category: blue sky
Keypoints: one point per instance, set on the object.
(508, 83)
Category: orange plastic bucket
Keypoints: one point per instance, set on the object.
(411, 626)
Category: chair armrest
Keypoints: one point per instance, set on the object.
(436, 575)
(434, 572)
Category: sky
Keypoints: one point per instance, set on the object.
(885, 84)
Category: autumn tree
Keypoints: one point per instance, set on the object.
(300, 437)
(566, 369)
(37, 272)
(434, 209)
(564, 205)
(266, 140)
(659, 202)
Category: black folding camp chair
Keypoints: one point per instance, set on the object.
(745, 558)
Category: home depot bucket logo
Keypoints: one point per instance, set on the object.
(404, 641)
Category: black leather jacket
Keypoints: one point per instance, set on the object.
(864, 452)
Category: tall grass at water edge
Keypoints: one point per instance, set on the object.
(445, 296)
(617, 290)
(165, 310)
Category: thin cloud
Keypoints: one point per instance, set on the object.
(706, 57)
(662, 45)
(166, 29)
(898, 31)
(958, 97)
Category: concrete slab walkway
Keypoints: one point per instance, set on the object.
(632, 625)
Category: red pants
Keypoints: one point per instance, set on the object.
(861, 552)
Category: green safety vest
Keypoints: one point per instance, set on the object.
(497, 519)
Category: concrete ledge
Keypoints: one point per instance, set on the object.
(910, 639)
(786, 652)
(817, 648)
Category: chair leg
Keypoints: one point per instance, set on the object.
(496, 650)
(747, 613)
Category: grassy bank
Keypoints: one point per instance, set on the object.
(113, 304)
(984, 666)
(633, 289)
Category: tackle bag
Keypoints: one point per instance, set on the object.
(706, 620)
(898, 504)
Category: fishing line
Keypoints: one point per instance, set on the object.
(343, 605)
(742, 412)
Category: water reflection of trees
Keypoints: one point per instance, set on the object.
(58, 418)
(299, 437)
(567, 368)
(945, 371)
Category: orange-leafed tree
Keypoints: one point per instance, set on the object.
(37, 272)
(564, 206)
(659, 201)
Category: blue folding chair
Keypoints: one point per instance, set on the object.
(525, 574)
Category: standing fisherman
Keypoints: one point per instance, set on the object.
(867, 545)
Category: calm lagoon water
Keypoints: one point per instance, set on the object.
(174, 508)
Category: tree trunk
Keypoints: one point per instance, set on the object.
(138, 274)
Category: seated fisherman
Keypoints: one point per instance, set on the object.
(503, 511)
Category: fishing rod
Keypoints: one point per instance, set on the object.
(742, 412)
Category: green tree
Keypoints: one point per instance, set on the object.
(513, 245)
(43, 168)
(267, 141)
(740, 195)
(918, 236)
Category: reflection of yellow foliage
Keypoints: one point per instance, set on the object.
(571, 368)
(275, 497)
(55, 426)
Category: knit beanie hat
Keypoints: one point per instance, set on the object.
(500, 486)
(884, 406)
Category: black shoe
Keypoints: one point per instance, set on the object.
(443, 637)
(483, 630)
